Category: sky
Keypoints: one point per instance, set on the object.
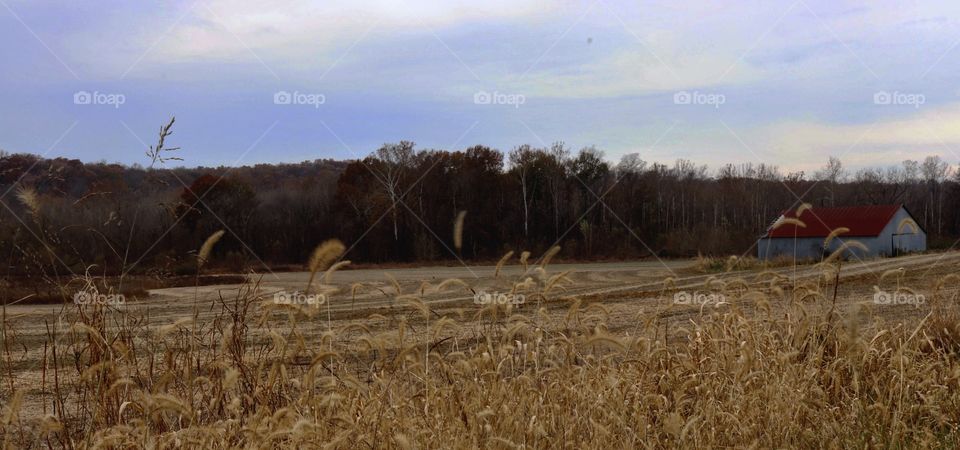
(781, 82)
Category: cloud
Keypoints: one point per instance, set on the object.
(792, 144)
(638, 72)
(797, 76)
(223, 29)
(885, 141)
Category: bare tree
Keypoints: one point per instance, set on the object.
(395, 161)
(557, 180)
(522, 164)
(833, 173)
(935, 171)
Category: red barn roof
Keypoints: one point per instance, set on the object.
(861, 220)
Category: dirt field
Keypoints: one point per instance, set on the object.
(624, 288)
(618, 282)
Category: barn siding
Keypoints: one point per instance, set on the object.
(879, 246)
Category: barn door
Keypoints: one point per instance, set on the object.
(899, 245)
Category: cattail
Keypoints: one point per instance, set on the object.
(458, 230)
(204, 254)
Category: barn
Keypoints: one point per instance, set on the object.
(886, 230)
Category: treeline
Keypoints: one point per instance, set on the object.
(399, 203)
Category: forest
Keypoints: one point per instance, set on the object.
(399, 204)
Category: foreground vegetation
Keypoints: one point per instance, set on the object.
(775, 364)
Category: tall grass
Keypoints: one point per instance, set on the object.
(760, 370)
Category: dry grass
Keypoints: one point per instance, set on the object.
(711, 264)
(774, 366)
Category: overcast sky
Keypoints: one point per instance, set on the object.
(786, 82)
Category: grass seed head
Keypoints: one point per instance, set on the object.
(458, 230)
(29, 198)
(325, 254)
(203, 255)
(833, 234)
(503, 260)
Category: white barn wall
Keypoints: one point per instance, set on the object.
(878, 246)
(912, 242)
(811, 248)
